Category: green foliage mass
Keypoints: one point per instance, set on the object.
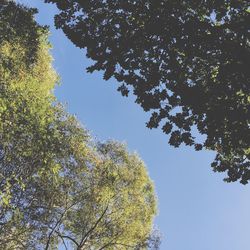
(58, 186)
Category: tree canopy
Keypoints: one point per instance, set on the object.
(58, 187)
(187, 62)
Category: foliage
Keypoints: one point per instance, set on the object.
(108, 203)
(186, 61)
(56, 185)
(17, 23)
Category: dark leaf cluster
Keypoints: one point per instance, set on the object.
(187, 62)
(18, 21)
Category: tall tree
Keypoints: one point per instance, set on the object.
(57, 186)
(186, 61)
(108, 203)
(17, 25)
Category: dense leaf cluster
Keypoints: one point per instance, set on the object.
(18, 23)
(186, 61)
(57, 186)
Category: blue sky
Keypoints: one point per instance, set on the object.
(197, 210)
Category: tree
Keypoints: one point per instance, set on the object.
(108, 204)
(57, 186)
(26, 84)
(186, 61)
(29, 139)
(17, 25)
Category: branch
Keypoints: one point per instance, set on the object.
(84, 239)
(62, 241)
(57, 223)
(67, 237)
(53, 230)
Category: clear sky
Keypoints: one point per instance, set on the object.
(197, 210)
